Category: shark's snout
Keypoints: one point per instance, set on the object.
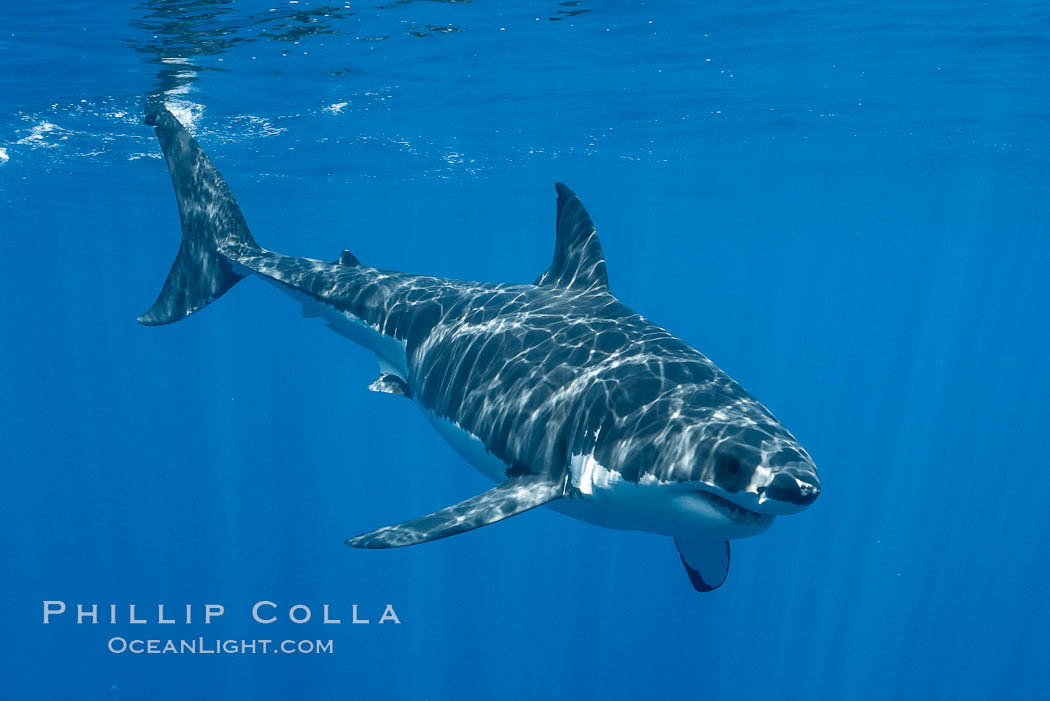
(799, 490)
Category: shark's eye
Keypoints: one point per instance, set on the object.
(730, 473)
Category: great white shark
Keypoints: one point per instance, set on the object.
(555, 390)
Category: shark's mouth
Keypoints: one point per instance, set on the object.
(734, 512)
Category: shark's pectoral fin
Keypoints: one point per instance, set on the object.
(706, 562)
(506, 499)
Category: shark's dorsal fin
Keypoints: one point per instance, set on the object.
(706, 561)
(578, 260)
(506, 499)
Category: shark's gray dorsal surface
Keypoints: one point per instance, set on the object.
(555, 390)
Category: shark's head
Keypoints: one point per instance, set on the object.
(726, 464)
(737, 466)
(758, 466)
(744, 476)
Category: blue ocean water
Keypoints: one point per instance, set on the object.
(842, 204)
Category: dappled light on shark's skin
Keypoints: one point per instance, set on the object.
(555, 390)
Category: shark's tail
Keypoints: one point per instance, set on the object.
(213, 229)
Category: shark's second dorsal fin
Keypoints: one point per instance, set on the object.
(578, 260)
(349, 259)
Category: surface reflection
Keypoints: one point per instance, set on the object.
(178, 32)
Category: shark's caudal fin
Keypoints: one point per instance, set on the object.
(213, 228)
(578, 261)
(506, 499)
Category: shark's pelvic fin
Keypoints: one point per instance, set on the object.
(213, 227)
(391, 384)
(506, 499)
(391, 380)
(578, 260)
(706, 562)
